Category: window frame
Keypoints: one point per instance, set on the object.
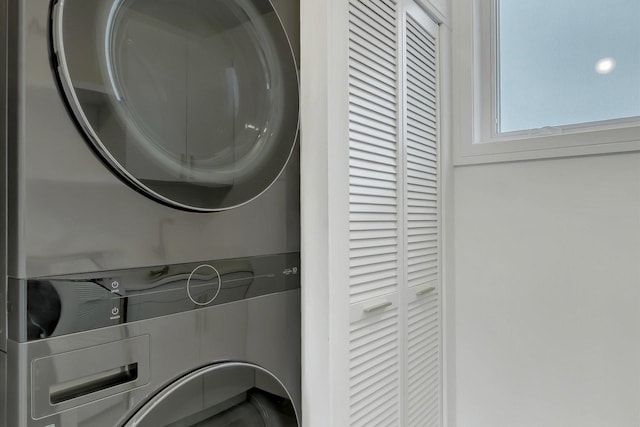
(476, 95)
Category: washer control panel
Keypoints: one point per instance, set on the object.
(53, 306)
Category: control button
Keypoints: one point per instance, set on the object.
(203, 281)
(115, 311)
(289, 271)
(115, 284)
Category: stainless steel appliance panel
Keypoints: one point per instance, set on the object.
(46, 307)
(69, 213)
(259, 331)
(70, 379)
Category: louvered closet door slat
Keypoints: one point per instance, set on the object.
(370, 98)
(425, 102)
(423, 151)
(379, 14)
(373, 46)
(424, 96)
(423, 142)
(367, 121)
(360, 79)
(371, 101)
(416, 113)
(415, 98)
(424, 65)
(358, 30)
(417, 136)
(422, 314)
(367, 154)
(370, 63)
(421, 109)
(357, 188)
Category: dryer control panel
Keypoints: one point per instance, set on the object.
(45, 307)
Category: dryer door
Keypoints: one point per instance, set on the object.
(229, 394)
(192, 102)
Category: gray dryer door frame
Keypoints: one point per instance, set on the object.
(224, 394)
(194, 104)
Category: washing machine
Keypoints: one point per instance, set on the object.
(149, 213)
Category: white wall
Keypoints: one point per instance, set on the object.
(547, 293)
(324, 158)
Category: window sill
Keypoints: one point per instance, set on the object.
(543, 147)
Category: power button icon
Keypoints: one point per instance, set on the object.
(115, 311)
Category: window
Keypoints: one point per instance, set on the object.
(550, 77)
(567, 62)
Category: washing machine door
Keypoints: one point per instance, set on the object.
(192, 102)
(229, 394)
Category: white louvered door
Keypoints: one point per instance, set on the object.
(373, 214)
(422, 310)
(394, 336)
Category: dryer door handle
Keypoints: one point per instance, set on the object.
(72, 389)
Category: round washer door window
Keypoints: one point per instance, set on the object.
(230, 394)
(192, 102)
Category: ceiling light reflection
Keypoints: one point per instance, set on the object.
(605, 65)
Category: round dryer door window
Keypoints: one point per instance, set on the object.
(230, 394)
(192, 102)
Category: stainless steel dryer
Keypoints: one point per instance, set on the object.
(149, 212)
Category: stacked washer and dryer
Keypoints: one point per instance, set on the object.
(150, 213)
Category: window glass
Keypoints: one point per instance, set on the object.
(567, 62)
